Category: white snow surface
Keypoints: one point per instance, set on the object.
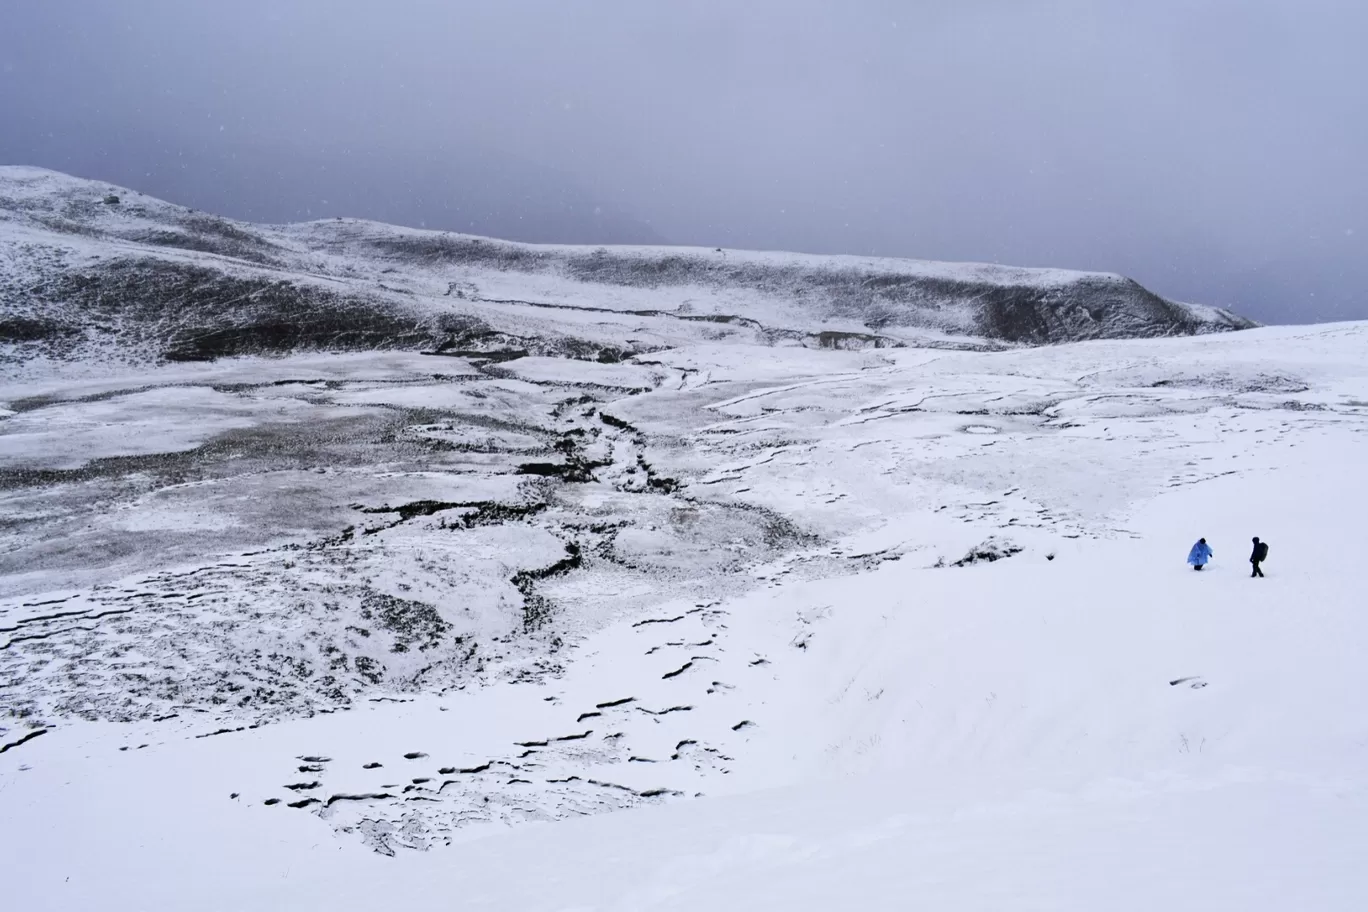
(912, 631)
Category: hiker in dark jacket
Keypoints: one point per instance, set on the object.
(1258, 556)
(1200, 554)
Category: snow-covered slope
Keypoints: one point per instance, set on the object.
(270, 621)
(747, 619)
(89, 271)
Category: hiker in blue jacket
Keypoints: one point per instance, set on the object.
(1200, 554)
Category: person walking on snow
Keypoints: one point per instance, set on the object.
(1200, 554)
(1258, 556)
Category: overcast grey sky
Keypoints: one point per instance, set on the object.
(1214, 150)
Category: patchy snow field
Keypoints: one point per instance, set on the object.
(824, 629)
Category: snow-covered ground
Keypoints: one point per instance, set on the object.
(822, 629)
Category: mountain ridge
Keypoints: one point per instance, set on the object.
(92, 270)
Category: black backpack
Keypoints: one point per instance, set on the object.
(1261, 552)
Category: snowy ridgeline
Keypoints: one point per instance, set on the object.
(91, 272)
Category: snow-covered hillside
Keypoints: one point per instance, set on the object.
(89, 271)
(261, 627)
(706, 616)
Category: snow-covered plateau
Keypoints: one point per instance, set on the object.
(344, 566)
